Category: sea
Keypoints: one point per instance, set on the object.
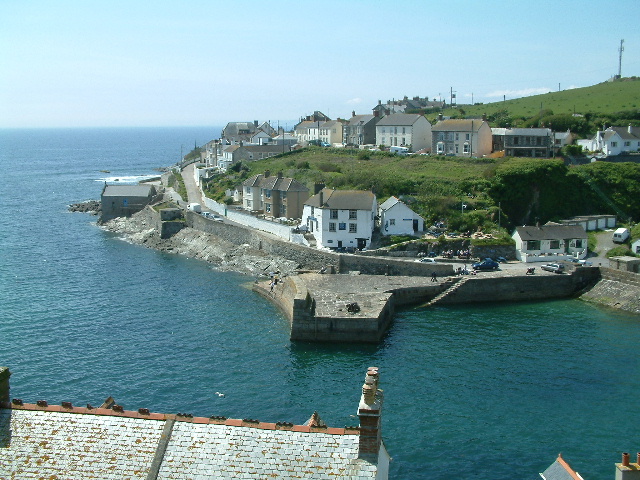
(490, 391)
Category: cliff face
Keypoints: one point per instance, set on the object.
(616, 289)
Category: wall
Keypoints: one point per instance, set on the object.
(616, 289)
(4, 384)
(523, 288)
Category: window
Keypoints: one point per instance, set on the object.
(403, 131)
(312, 210)
(332, 226)
(467, 137)
(353, 228)
(267, 193)
(404, 141)
(267, 207)
(440, 148)
(392, 221)
(249, 203)
(283, 210)
(457, 149)
(440, 135)
(283, 195)
(554, 244)
(516, 140)
(353, 214)
(614, 144)
(383, 130)
(578, 243)
(627, 144)
(533, 244)
(457, 136)
(465, 148)
(333, 214)
(247, 190)
(342, 226)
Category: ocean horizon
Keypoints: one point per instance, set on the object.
(487, 389)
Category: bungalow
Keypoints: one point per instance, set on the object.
(550, 242)
(276, 196)
(403, 129)
(39, 440)
(467, 138)
(124, 200)
(340, 218)
(396, 218)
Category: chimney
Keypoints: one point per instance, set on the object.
(376, 113)
(255, 123)
(280, 174)
(440, 117)
(370, 413)
(379, 102)
(321, 194)
(4, 384)
(627, 470)
(267, 174)
(484, 117)
(353, 113)
(629, 129)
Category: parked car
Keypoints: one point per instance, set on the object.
(486, 264)
(553, 267)
(216, 218)
(426, 260)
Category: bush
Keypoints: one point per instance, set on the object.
(620, 251)
(364, 155)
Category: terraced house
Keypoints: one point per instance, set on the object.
(275, 196)
(405, 130)
(463, 138)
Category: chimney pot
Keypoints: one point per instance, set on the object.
(353, 113)
(625, 459)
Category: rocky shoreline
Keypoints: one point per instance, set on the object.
(140, 229)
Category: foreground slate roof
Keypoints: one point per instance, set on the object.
(560, 470)
(63, 441)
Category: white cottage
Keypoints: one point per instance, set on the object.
(396, 218)
(340, 218)
(550, 243)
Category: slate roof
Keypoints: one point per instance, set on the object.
(531, 132)
(273, 182)
(355, 120)
(128, 190)
(624, 132)
(551, 232)
(399, 119)
(389, 202)
(343, 199)
(457, 125)
(39, 442)
(560, 470)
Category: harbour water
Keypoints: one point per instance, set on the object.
(482, 391)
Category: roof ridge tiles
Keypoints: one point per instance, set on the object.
(144, 414)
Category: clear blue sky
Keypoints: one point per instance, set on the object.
(169, 63)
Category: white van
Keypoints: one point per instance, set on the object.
(399, 150)
(620, 235)
(195, 207)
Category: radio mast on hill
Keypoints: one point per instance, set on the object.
(621, 49)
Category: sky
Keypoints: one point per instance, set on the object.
(80, 63)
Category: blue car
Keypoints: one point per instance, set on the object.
(486, 264)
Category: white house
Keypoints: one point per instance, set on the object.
(550, 243)
(340, 218)
(635, 247)
(396, 218)
(405, 130)
(614, 140)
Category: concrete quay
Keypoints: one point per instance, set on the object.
(317, 304)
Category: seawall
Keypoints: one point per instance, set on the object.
(615, 289)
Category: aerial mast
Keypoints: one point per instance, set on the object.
(621, 49)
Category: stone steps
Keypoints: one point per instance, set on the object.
(456, 283)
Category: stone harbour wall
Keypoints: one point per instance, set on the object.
(616, 289)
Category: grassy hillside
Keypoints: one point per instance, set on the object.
(508, 191)
(604, 98)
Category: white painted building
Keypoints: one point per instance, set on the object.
(396, 218)
(550, 243)
(405, 130)
(341, 218)
(614, 141)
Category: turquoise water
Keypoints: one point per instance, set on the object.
(475, 391)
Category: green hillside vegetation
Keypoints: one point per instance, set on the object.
(497, 192)
(610, 103)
